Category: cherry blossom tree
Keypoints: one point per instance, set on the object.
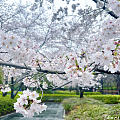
(92, 51)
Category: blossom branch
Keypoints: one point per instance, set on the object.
(107, 72)
(62, 85)
(29, 68)
(106, 9)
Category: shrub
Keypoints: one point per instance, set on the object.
(1, 76)
(92, 93)
(108, 99)
(56, 97)
(67, 107)
(70, 93)
(65, 92)
(6, 104)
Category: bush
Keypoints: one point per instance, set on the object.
(108, 99)
(6, 104)
(73, 92)
(1, 76)
(8, 93)
(92, 93)
(65, 92)
(67, 107)
(56, 97)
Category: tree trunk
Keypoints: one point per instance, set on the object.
(4, 94)
(12, 88)
(118, 83)
(6, 82)
(81, 92)
(77, 90)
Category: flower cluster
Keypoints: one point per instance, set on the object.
(30, 82)
(78, 69)
(19, 50)
(102, 52)
(28, 104)
(57, 80)
(45, 85)
(5, 89)
(115, 6)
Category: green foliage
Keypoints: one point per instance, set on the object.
(59, 92)
(110, 88)
(6, 104)
(108, 99)
(68, 107)
(56, 97)
(69, 104)
(73, 92)
(1, 76)
(89, 109)
(65, 92)
(92, 93)
(8, 93)
(47, 92)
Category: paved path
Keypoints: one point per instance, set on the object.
(54, 111)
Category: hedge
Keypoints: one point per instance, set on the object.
(56, 97)
(1, 75)
(65, 92)
(108, 99)
(74, 92)
(92, 93)
(6, 104)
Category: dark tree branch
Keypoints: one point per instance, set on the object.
(107, 72)
(15, 66)
(3, 52)
(18, 89)
(29, 68)
(101, 71)
(108, 11)
(62, 85)
(21, 78)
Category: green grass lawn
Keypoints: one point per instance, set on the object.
(90, 109)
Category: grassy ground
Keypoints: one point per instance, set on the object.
(90, 109)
